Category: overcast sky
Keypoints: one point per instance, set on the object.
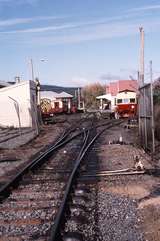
(79, 41)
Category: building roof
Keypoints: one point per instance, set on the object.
(65, 95)
(3, 84)
(114, 87)
(105, 97)
(12, 86)
(59, 89)
(54, 95)
(126, 90)
(48, 94)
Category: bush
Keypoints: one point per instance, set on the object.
(90, 92)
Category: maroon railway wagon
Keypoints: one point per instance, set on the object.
(49, 109)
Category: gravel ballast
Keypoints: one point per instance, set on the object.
(118, 218)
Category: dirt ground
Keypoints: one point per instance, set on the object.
(143, 189)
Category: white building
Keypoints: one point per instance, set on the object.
(107, 102)
(18, 105)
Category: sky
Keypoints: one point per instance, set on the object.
(77, 42)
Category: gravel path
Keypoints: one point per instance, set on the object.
(118, 218)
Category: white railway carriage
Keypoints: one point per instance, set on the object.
(126, 102)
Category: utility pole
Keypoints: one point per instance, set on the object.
(79, 98)
(152, 110)
(17, 79)
(141, 82)
(141, 74)
(32, 69)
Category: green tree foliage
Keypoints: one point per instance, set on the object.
(90, 92)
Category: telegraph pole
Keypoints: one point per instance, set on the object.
(32, 69)
(141, 82)
(152, 110)
(141, 74)
(79, 98)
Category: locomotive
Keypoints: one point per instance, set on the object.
(126, 103)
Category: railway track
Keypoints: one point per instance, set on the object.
(42, 199)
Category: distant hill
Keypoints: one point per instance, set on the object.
(55, 88)
(58, 89)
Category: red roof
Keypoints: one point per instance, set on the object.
(114, 87)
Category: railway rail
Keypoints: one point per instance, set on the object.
(31, 208)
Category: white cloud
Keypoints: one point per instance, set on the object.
(77, 35)
(17, 21)
(5, 1)
(74, 81)
(31, 2)
(145, 8)
(10, 22)
(103, 31)
(43, 29)
(76, 32)
(109, 76)
(125, 18)
(79, 81)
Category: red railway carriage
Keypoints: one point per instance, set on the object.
(126, 103)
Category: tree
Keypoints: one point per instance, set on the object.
(90, 92)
